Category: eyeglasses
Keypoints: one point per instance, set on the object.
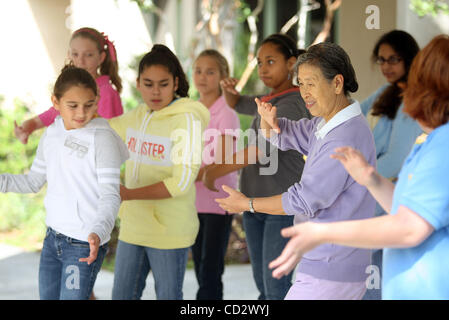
(391, 60)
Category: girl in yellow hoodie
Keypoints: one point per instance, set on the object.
(158, 216)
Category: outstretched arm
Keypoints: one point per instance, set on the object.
(402, 230)
(23, 131)
(366, 175)
(27, 183)
(237, 202)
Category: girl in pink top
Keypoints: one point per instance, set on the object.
(220, 140)
(92, 51)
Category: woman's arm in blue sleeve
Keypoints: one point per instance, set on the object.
(367, 104)
(404, 132)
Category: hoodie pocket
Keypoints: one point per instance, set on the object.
(62, 211)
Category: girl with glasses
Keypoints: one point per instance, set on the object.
(394, 131)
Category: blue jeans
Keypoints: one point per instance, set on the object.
(375, 294)
(134, 262)
(265, 243)
(61, 275)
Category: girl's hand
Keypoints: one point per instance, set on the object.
(237, 202)
(94, 244)
(304, 237)
(356, 165)
(123, 193)
(268, 114)
(200, 175)
(21, 133)
(209, 180)
(228, 85)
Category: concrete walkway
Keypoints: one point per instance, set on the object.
(19, 279)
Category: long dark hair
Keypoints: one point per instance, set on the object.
(406, 47)
(163, 56)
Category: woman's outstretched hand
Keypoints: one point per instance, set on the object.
(304, 237)
(355, 164)
(268, 114)
(237, 202)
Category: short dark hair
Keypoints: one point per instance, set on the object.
(332, 60)
(72, 76)
(163, 56)
(426, 97)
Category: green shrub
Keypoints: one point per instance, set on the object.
(19, 212)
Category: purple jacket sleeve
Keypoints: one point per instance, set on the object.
(322, 182)
(294, 135)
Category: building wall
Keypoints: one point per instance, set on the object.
(358, 40)
(423, 29)
(37, 35)
(31, 49)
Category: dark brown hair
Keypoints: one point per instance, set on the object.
(286, 45)
(72, 76)
(426, 97)
(109, 66)
(163, 56)
(406, 47)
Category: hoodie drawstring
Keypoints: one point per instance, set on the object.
(143, 127)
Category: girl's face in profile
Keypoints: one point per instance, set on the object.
(84, 54)
(77, 106)
(157, 86)
(206, 75)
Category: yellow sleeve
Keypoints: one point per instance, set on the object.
(120, 124)
(186, 152)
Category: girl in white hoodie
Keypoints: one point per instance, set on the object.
(79, 157)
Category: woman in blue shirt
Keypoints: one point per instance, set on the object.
(416, 232)
(394, 132)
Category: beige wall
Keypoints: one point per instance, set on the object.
(358, 41)
(50, 17)
(35, 39)
(423, 29)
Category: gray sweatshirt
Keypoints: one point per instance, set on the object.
(277, 170)
(82, 169)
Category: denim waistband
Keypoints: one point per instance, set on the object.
(67, 238)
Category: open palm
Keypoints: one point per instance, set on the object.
(268, 113)
(355, 164)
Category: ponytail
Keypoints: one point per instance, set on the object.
(287, 46)
(161, 55)
(72, 76)
(109, 66)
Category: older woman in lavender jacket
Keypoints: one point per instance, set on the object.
(326, 192)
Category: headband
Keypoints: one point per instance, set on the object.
(102, 39)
